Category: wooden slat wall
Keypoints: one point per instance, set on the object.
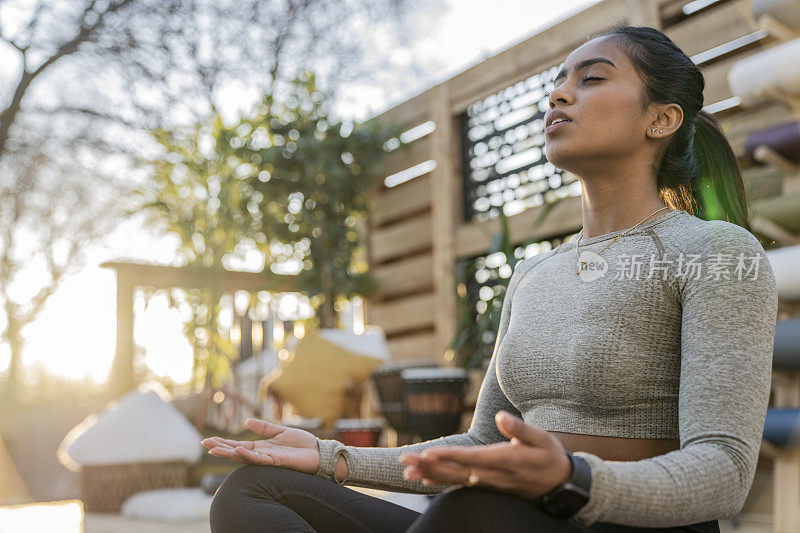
(401, 238)
(713, 27)
(398, 202)
(416, 152)
(405, 276)
(415, 233)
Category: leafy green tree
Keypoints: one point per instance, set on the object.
(287, 181)
(315, 176)
(194, 191)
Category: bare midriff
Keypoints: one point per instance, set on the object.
(616, 448)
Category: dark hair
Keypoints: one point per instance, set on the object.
(699, 172)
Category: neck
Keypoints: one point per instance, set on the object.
(613, 201)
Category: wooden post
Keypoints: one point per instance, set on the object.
(363, 229)
(121, 379)
(445, 195)
(786, 470)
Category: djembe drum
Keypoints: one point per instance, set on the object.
(434, 400)
(389, 387)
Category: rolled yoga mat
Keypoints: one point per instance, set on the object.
(785, 263)
(782, 426)
(787, 12)
(786, 352)
(783, 139)
(775, 69)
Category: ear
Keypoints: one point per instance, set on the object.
(668, 119)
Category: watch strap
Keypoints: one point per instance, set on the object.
(578, 484)
(581, 472)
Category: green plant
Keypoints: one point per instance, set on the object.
(287, 182)
(468, 348)
(315, 176)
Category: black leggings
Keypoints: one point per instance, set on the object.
(260, 498)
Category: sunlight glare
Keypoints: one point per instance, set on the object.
(55, 517)
(75, 336)
(159, 331)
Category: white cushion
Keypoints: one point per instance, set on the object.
(168, 505)
(140, 427)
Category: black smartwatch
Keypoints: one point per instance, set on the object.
(566, 499)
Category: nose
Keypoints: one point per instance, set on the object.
(559, 94)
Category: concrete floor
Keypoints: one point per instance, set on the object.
(114, 523)
(97, 523)
(66, 517)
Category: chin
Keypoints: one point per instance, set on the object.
(575, 157)
(559, 156)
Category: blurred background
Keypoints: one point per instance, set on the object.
(307, 211)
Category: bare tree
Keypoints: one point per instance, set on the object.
(92, 76)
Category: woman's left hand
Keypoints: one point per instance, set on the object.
(530, 465)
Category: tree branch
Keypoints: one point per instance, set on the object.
(92, 114)
(8, 115)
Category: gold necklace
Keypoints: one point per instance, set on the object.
(582, 265)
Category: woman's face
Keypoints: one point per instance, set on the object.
(601, 93)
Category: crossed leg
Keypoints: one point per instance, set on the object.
(264, 498)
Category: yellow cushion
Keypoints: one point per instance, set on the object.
(314, 380)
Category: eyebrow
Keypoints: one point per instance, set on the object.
(585, 63)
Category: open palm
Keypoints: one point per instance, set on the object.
(283, 446)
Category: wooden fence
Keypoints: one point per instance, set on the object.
(418, 231)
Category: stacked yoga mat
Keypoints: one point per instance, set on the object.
(773, 72)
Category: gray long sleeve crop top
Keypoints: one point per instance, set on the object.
(668, 334)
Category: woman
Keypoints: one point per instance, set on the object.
(657, 384)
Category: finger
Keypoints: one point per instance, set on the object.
(211, 442)
(412, 473)
(228, 454)
(233, 443)
(442, 473)
(448, 473)
(409, 459)
(500, 455)
(514, 427)
(254, 456)
(219, 444)
(262, 427)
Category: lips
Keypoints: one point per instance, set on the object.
(555, 116)
(556, 124)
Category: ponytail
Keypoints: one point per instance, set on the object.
(719, 187)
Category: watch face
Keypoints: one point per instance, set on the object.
(567, 501)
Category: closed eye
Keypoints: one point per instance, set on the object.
(548, 93)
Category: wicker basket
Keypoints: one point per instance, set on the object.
(105, 487)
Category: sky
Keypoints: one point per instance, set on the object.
(74, 336)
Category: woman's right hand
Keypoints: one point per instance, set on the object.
(284, 446)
